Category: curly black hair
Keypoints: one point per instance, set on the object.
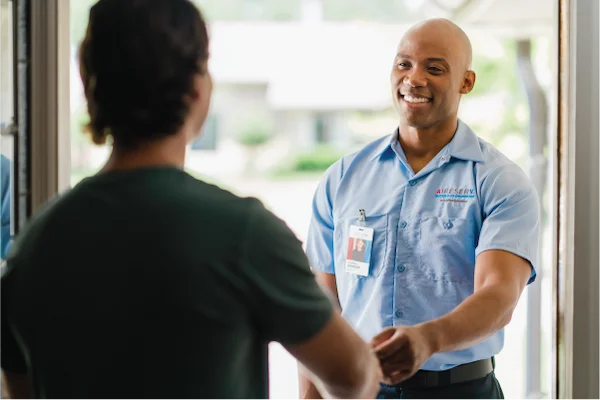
(138, 62)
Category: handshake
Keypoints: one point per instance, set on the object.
(392, 356)
(402, 350)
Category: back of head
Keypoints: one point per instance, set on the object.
(138, 63)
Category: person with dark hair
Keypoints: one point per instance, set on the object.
(143, 282)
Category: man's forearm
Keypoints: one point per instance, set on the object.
(475, 319)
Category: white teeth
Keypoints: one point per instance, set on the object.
(412, 99)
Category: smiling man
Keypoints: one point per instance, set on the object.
(454, 226)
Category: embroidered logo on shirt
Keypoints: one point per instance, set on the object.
(454, 195)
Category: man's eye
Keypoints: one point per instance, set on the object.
(402, 65)
(435, 69)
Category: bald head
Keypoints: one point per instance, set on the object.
(444, 32)
(431, 71)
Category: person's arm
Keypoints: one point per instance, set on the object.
(506, 256)
(500, 278)
(320, 251)
(328, 284)
(339, 362)
(289, 307)
(489, 309)
(15, 386)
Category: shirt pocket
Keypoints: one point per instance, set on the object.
(379, 251)
(447, 249)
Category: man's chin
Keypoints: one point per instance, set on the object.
(415, 122)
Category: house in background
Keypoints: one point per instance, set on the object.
(302, 83)
(311, 82)
(297, 80)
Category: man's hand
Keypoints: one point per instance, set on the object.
(402, 350)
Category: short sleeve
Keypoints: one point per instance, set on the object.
(512, 219)
(287, 301)
(11, 357)
(319, 243)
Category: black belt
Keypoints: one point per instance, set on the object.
(461, 373)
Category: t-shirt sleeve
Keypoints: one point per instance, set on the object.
(319, 243)
(287, 301)
(511, 215)
(11, 357)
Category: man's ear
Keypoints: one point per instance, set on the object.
(468, 82)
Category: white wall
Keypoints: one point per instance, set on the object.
(235, 105)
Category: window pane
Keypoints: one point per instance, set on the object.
(291, 98)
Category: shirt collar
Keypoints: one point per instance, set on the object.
(385, 146)
(464, 145)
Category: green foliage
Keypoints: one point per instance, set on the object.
(253, 138)
(496, 74)
(254, 132)
(318, 160)
(500, 76)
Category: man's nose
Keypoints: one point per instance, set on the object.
(415, 78)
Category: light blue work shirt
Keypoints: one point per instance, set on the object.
(5, 238)
(428, 229)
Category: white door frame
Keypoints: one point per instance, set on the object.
(576, 195)
(577, 137)
(50, 100)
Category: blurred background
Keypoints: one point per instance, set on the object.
(300, 83)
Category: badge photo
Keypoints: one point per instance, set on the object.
(360, 242)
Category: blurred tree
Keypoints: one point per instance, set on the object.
(499, 76)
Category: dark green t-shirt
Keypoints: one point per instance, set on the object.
(151, 284)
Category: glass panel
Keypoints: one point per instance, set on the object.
(86, 158)
(276, 150)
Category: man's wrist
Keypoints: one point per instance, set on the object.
(433, 333)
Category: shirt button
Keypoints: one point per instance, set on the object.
(444, 158)
(412, 183)
(399, 314)
(403, 224)
(448, 225)
(401, 268)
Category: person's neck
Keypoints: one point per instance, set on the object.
(421, 145)
(168, 151)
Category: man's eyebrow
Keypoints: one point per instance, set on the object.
(430, 59)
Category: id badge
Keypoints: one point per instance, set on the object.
(360, 242)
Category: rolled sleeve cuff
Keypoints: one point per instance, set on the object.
(531, 259)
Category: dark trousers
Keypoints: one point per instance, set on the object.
(483, 388)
